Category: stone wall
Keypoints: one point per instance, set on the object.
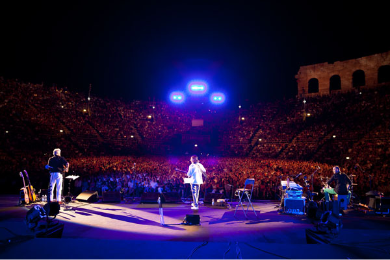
(347, 71)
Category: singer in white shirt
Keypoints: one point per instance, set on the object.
(195, 172)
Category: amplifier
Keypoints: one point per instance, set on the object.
(294, 206)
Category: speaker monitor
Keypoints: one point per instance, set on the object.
(88, 196)
(52, 208)
(210, 196)
(191, 220)
(111, 196)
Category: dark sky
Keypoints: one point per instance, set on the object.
(141, 49)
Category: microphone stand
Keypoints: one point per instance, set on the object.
(312, 181)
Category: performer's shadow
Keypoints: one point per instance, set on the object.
(229, 219)
(127, 218)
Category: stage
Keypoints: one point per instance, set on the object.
(133, 230)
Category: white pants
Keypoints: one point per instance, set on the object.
(55, 179)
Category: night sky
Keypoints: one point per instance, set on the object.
(144, 49)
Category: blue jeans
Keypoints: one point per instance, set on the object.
(195, 194)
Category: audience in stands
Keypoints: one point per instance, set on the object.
(104, 137)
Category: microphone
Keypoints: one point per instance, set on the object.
(298, 175)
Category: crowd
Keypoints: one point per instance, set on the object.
(96, 133)
(133, 176)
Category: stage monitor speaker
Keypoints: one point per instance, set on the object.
(191, 220)
(171, 197)
(210, 196)
(53, 231)
(89, 196)
(150, 197)
(52, 208)
(111, 196)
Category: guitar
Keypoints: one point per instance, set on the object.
(24, 195)
(180, 170)
(30, 189)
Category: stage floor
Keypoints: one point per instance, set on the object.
(121, 230)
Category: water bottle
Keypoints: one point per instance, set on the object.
(212, 203)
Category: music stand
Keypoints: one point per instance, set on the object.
(68, 198)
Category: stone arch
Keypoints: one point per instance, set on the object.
(358, 79)
(313, 86)
(334, 83)
(384, 74)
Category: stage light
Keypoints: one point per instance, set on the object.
(217, 98)
(131, 136)
(347, 158)
(196, 145)
(334, 136)
(61, 131)
(177, 97)
(197, 87)
(84, 110)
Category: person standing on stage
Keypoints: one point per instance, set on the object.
(195, 172)
(341, 187)
(57, 165)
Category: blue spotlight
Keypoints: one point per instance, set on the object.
(197, 87)
(177, 97)
(217, 98)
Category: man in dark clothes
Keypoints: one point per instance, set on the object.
(341, 181)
